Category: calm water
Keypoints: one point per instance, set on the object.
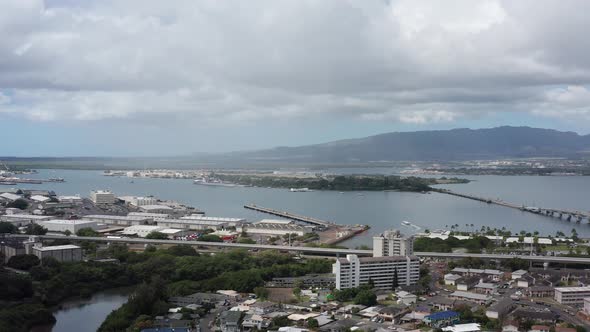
(86, 315)
(381, 210)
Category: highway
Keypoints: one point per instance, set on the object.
(312, 250)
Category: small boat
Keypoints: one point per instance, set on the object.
(299, 190)
(406, 223)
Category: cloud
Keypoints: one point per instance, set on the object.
(408, 61)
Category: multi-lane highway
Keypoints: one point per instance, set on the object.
(317, 251)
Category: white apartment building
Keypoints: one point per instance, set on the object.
(57, 225)
(353, 271)
(392, 243)
(571, 295)
(102, 197)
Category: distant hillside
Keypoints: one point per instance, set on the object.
(444, 145)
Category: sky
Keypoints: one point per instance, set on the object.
(157, 78)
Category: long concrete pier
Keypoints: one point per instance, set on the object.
(569, 215)
(287, 215)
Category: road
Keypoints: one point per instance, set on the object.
(313, 250)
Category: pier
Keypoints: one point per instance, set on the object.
(576, 216)
(292, 216)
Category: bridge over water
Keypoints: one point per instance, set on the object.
(569, 215)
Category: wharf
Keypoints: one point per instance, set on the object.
(292, 216)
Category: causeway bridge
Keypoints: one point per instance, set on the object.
(312, 250)
(287, 215)
(564, 214)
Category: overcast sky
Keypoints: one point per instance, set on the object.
(153, 77)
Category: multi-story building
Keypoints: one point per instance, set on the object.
(587, 305)
(571, 295)
(392, 243)
(102, 197)
(353, 271)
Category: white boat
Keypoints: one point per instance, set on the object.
(406, 223)
(299, 190)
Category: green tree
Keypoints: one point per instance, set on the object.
(34, 229)
(261, 292)
(313, 323)
(87, 232)
(156, 236)
(365, 297)
(23, 262)
(6, 227)
(67, 232)
(210, 238)
(297, 292)
(182, 250)
(19, 204)
(246, 240)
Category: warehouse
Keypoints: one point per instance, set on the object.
(274, 229)
(228, 221)
(156, 208)
(118, 220)
(141, 230)
(192, 224)
(73, 226)
(23, 219)
(148, 215)
(64, 253)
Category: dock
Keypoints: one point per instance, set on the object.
(292, 216)
(569, 215)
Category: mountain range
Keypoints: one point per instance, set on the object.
(443, 145)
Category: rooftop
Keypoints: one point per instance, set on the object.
(68, 222)
(573, 289)
(442, 315)
(469, 295)
(198, 217)
(52, 248)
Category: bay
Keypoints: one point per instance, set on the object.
(380, 210)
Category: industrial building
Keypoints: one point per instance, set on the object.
(64, 253)
(156, 208)
(100, 197)
(192, 224)
(73, 226)
(118, 220)
(70, 199)
(353, 271)
(20, 220)
(274, 229)
(139, 200)
(571, 295)
(392, 243)
(228, 221)
(149, 215)
(141, 230)
(10, 246)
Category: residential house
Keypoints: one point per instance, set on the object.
(467, 283)
(525, 281)
(510, 326)
(539, 328)
(485, 288)
(500, 309)
(442, 319)
(230, 321)
(518, 274)
(451, 279)
(469, 327)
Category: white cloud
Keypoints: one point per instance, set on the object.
(409, 61)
